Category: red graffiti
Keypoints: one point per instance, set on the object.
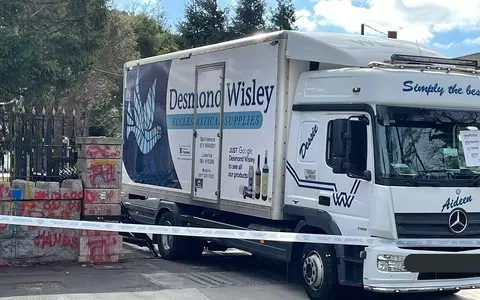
(47, 238)
(105, 151)
(3, 227)
(52, 206)
(75, 206)
(29, 209)
(75, 195)
(101, 250)
(102, 174)
(41, 195)
(55, 195)
(5, 192)
(55, 209)
(92, 197)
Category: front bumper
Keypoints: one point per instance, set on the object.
(408, 282)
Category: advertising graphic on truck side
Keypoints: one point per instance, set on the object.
(163, 96)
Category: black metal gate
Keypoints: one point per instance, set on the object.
(38, 145)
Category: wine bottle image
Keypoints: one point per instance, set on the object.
(258, 179)
(250, 177)
(265, 179)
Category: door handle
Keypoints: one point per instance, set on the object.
(323, 200)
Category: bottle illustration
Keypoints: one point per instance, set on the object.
(250, 177)
(265, 179)
(258, 179)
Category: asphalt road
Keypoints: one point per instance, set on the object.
(232, 276)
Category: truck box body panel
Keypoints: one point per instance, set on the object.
(219, 167)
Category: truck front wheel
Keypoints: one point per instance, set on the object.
(319, 273)
(173, 247)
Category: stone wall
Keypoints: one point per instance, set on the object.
(96, 194)
(27, 244)
(100, 165)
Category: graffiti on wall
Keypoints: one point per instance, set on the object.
(49, 238)
(103, 173)
(102, 196)
(53, 209)
(103, 151)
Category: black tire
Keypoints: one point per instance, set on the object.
(318, 260)
(171, 247)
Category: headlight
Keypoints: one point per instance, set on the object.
(391, 263)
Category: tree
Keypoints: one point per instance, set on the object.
(127, 37)
(283, 16)
(249, 17)
(99, 95)
(152, 8)
(47, 46)
(204, 23)
(152, 38)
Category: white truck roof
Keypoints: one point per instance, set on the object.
(349, 49)
(388, 86)
(331, 48)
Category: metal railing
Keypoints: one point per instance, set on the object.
(37, 145)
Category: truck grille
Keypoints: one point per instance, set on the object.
(433, 225)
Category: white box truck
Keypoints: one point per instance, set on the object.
(311, 133)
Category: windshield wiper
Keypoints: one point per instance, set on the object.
(475, 181)
(417, 180)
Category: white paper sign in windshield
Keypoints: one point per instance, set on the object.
(471, 147)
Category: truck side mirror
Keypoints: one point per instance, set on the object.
(340, 145)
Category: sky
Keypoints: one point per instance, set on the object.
(449, 26)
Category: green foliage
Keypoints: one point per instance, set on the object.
(48, 45)
(249, 17)
(152, 39)
(205, 23)
(128, 37)
(283, 16)
(99, 95)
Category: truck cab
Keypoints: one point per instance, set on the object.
(389, 151)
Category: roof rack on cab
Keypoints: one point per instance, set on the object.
(403, 61)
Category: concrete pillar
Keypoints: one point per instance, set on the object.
(100, 166)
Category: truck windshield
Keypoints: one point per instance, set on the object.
(424, 147)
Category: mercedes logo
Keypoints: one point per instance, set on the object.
(458, 221)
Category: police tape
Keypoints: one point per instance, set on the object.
(235, 233)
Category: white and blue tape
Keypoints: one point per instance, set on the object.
(236, 234)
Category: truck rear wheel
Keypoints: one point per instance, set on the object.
(319, 273)
(173, 247)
